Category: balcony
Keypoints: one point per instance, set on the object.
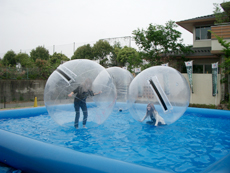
(222, 31)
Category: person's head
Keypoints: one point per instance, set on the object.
(150, 107)
(87, 84)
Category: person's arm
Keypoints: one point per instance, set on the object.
(144, 117)
(70, 94)
(73, 92)
(97, 93)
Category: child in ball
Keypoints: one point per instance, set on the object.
(156, 119)
(82, 92)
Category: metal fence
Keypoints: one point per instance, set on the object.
(69, 48)
(24, 73)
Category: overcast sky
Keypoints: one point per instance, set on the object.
(26, 24)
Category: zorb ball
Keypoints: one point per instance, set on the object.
(121, 79)
(87, 76)
(162, 86)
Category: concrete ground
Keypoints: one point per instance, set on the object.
(16, 105)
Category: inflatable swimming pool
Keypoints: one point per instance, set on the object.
(32, 155)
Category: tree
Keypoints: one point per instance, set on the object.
(225, 65)
(113, 58)
(83, 52)
(101, 50)
(9, 59)
(44, 68)
(56, 59)
(128, 56)
(221, 16)
(24, 60)
(39, 53)
(160, 41)
(1, 63)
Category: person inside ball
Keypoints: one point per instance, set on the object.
(82, 92)
(156, 119)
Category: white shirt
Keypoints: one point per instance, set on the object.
(158, 118)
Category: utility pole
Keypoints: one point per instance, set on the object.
(53, 49)
(73, 47)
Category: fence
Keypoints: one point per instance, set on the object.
(70, 48)
(21, 92)
(24, 73)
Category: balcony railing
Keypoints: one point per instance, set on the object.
(221, 30)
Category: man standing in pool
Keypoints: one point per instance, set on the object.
(82, 92)
(156, 119)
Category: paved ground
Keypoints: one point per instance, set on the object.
(17, 105)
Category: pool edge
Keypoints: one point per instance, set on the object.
(35, 156)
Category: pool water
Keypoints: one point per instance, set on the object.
(191, 144)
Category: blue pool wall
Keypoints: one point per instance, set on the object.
(34, 156)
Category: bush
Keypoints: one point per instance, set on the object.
(203, 106)
(26, 73)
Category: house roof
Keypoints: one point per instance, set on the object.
(201, 51)
(197, 52)
(202, 20)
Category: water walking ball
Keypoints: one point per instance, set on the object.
(90, 78)
(121, 79)
(164, 87)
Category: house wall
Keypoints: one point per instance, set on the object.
(202, 88)
(216, 45)
(201, 43)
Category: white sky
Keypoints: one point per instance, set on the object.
(26, 24)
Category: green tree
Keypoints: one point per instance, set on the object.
(24, 60)
(101, 50)
(220, 15)
(113, 58)
(44, 67)
(39, 53)
(9, 59)
(159, 44)
(129, 56)
(56, 59)
(1, 63)
(83, 52)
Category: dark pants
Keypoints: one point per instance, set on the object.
(77, 105)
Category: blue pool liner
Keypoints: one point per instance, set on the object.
(30, 155)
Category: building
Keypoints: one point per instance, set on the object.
(204, 53)
(207, 50)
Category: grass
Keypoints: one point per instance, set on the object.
(203, 106)
(222, 105)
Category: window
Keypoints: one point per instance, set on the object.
(197, 68)
(208, 68)
(202, 69)
(202, 33)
